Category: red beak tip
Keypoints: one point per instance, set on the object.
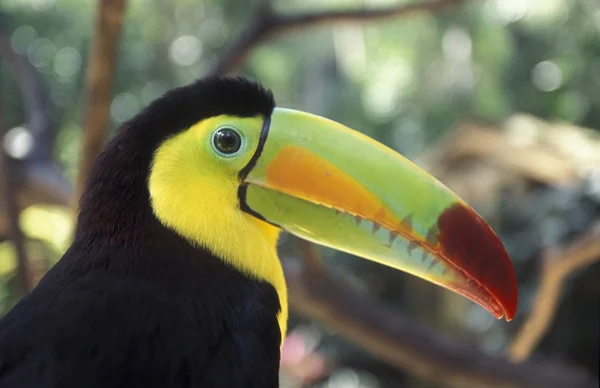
(509, 297)
(505, 301)
(470, 244)
(510, 309)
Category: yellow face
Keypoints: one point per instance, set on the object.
(193, 184)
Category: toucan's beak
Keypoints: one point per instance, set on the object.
(336, 187)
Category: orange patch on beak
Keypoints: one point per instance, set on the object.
(303, 174)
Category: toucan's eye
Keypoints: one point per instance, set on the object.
(227, 141)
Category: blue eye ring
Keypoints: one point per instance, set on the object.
(227, 141)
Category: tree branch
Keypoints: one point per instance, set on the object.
(556, 266)
(34, 99)
(375, 327)
(15, 234)
(267, 23)
(99, 79)
(35, 179)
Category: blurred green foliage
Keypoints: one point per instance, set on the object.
(405, 82)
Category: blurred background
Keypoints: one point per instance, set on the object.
(499, 99)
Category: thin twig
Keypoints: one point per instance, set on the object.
(556, 266)
(267, 24)
(15, 234)
(99, 79)
(403, 343)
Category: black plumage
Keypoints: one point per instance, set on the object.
(133, 304)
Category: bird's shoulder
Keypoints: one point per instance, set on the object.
(99, 321)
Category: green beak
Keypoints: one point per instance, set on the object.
(331, 185)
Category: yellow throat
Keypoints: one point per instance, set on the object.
(181, 173)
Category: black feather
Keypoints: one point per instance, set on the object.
(133, 304)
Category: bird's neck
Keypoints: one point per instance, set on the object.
(114, 208)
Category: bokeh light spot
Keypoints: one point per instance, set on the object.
(510, 11)
(67, 62)
(346, 378)
(42, 5)
(388, 83)
(41, 53)
(18, 142)
(185, 50)
(124, 106)
(457, 44)
(546, 76)
(22, 38)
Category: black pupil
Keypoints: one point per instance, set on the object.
(227, 140)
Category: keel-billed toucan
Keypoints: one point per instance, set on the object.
(173, 278)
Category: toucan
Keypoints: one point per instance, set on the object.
(173, 277)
